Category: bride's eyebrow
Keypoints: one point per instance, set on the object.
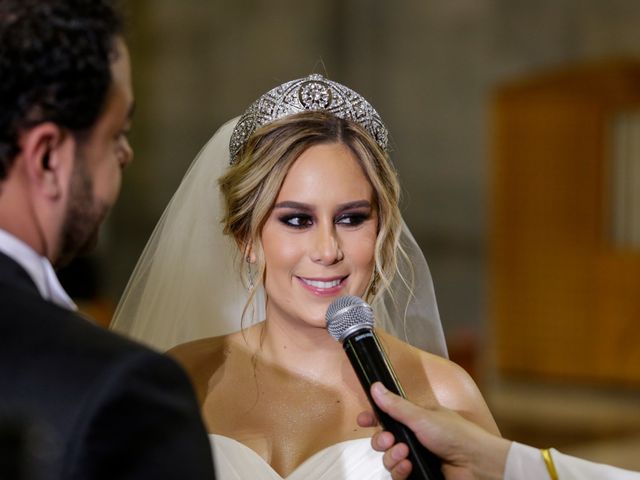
(305, 207)
(354, 205)
(293, 206)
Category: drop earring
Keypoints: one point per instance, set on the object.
(373, 286)
(249, 274)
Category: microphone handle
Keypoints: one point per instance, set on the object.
(372, 365)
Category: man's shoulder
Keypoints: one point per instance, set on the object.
(50, 356)
(31, 324)
(101, 396)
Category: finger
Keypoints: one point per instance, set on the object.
(367, 419)
(394, 455)
(402, 470)
(382, 441)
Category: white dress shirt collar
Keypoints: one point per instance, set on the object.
(39, 269)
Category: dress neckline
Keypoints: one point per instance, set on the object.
(307, 464)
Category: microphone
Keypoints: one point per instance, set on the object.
(350, 321)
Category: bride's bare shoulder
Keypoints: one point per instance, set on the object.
(422, 374)
(198, 352)
(201, 358)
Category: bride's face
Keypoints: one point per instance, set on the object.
(319, 239)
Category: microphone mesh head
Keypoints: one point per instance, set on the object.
(346, 314)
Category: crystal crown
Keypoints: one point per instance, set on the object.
(312, 93)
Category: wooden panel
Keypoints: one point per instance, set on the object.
(563, 304)
(617, 316)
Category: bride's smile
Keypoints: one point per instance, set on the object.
(319, 239)
(324, 286)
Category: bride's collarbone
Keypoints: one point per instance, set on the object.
(247, 388)
(273, 397)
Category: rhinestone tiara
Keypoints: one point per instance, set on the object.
(312, 93)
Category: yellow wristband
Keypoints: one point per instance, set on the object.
(548, 461)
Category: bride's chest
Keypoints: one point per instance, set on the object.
(284, 420)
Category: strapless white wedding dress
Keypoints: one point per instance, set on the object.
(349, 460)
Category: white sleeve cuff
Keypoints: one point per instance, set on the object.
(524, 463)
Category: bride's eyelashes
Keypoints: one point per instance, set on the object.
(296, 220)
(304, 220)
(353, 219)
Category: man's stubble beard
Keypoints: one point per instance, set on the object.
(83, 217)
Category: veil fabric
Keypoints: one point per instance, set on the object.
(186, 286)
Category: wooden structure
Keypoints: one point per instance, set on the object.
(564, 293)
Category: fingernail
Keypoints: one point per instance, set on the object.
(379, 388)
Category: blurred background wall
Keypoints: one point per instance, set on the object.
(430, 67)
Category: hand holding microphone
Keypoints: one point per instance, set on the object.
(350, 321)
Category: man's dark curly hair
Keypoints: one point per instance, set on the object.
(55, 58)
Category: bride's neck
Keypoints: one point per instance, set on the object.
(300, 348)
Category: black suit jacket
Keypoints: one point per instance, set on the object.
(97, 406)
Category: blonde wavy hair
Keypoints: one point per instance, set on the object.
(251, 185)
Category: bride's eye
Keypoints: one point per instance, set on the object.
(352, 219)
(297, 220)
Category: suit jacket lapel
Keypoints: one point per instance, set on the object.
(12, 273)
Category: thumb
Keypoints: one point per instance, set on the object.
(396, 406)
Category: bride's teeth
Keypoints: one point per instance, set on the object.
(319, 284)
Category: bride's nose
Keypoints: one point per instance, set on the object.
(325, 248)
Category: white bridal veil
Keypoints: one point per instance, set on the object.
(185, 285)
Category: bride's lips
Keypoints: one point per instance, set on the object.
(323, 286)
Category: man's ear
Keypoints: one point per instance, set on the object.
(48, 152)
